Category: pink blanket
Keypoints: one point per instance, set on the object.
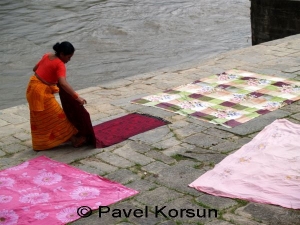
(266, 170)
(44, 191)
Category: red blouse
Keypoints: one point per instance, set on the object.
(50, 70)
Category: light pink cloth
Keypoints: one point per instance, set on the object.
(266, 170)
(44, 191)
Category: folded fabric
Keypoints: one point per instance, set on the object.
(77, 115)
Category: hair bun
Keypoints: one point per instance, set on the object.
(64, 47)
(56, 47)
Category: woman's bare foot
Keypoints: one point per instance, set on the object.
(78, 141)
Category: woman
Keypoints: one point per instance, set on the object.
(49, 125)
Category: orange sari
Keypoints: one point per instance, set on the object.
(49, 125)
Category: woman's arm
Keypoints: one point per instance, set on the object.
(68, 88)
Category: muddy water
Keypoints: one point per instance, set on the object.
(114, 38)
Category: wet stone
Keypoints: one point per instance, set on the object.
(13, 119)
(155, 167)
(178, 124)
(125, 223)
(138, 147)
(213, 158)
(2, 153)
(170, 142)
(202, 140)
(178, 177)
(70, 155)
(199, 150)
(14, 148)
(100, 166)
(296, 116)
(158, 197)
(88, 169)
(215, 202)
(22, 136)
(293, 120)
(114, 159)
(123, 176)
(9, 162)
(188, 130)
(200, 122)
(152, 136)
(169, 222)
(227, 146)
(141, 185)
(174, 150)
(236, 219)
(218, 222)
(218, 133)
(108, 118)
(126, 101)
(150, 219)
(292, 69)
(8, 130)
(156, 112)
(115, 84)
(271, 214)
(160, 156)
(25, 155)
(143, 214)
(95, 220)
(3, 123)
(176, 210)
(133, 156)
(131, 108)
(293, 108)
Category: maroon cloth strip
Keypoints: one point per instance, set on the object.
(120, 129)
(78, 116)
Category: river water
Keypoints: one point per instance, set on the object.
(114, 38)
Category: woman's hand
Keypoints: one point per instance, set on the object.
(67, 87)
(82, 101)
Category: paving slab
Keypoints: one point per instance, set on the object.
(142, 185)
(114, 159)
(215, 202)
(133, 156)
(178, 177)
(155, 167)
(270, 214)
(157, 197)
(160, 156)
(123, 176)
(202, 140)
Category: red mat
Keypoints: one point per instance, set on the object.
(110, 132)
(120, 129)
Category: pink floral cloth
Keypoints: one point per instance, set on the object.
(44, 191)
(266, 170)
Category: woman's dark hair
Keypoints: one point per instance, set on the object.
(64, 47)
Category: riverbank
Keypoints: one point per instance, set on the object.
(114, 40)
(162, 162)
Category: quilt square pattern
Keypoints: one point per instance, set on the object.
(229, 99)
